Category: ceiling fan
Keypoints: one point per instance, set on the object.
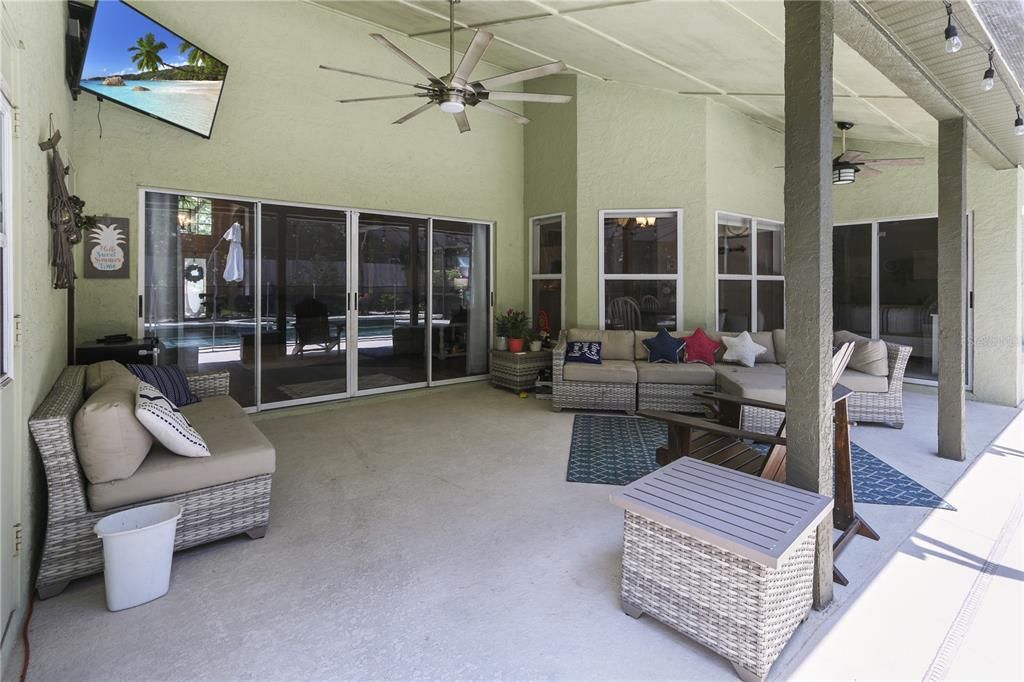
(456, 90)
(850, 162)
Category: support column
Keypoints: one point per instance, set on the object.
(808, 265)
(952, 216)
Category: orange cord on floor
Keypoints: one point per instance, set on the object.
(24, 636)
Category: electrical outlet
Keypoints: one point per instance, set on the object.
(17, 540)
(19, 329)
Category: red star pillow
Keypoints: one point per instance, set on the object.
(700, 348)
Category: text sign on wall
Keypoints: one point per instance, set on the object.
(106, 249)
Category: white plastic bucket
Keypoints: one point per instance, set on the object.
(137, 548)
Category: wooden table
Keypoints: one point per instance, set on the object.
(723, 557)
(518, 371)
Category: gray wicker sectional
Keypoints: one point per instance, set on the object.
(877, 396)
(71, 549)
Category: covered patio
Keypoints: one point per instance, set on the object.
(447, 544)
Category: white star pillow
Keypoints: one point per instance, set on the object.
(741, 349)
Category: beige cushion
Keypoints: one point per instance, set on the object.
(763, 382)
(615, 344)
(869, 356)
(864, 383)
(238, 450)
(608, 372)
(760, 338)
(690, 374)
(99, 373)
(640, 350)
(111, 442)
(779, 339)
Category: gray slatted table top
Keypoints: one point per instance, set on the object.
(755, 518)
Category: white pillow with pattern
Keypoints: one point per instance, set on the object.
(167, 424)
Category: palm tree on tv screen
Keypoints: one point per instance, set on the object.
(146, 53)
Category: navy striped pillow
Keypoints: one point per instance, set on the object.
(169, 380)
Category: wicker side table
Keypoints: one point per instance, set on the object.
(725, 558)
(518, 371)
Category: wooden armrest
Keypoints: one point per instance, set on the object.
(840, 392)
(711, 427)
(739, 400)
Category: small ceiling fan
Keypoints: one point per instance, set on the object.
(850, 162)
(456, 91)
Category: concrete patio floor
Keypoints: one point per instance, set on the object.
(433, 535)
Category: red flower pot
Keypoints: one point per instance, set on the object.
(515, 345)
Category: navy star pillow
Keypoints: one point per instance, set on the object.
(664, 347)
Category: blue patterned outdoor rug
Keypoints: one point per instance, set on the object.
(619, 450)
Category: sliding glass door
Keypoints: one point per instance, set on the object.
(307, 303)
(304, 289)
(886, 286)
(460, 305)
(390, 307)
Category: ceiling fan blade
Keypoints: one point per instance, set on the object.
(406, 58)
(414, 112)
(374, 99)
(502, 111)
(462, 120)
(868, 172)
(475, 51)
(524, 75)
(525, 97)
(368, 75)
(909, 161)
(851, 155)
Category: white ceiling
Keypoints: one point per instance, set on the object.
(730, 50)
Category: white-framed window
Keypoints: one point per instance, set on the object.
(547, 271)
(641, 280)
(751, 284)
(6, 275)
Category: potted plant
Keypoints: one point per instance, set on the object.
(518, 328)
(536, 342)
(501, 328)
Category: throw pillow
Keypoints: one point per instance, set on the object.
(584, 351)
(167, 424)
(870, 356)
(664, 347)
(742, 349)
(99, 373)
(700, 348)
(110, 440)
(170, 380)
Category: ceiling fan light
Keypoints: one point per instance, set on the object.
(452, 106)
(844, 175)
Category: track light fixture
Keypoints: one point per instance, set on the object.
(1018, 124)
(953, 42)
(988, 81)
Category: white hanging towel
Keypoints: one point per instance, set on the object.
(234, 270)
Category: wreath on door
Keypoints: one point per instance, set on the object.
(194, 273)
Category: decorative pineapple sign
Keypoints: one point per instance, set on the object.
(107, 251)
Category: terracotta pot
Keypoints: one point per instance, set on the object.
(515, 345)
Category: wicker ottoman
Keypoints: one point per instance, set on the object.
(725, 558)
(518, 371)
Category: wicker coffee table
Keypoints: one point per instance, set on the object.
(518, 371)
(725, 558)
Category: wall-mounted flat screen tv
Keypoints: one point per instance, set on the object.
(136, 62)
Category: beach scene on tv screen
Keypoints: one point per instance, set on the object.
(133, 60)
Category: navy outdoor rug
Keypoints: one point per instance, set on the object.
(619, 450)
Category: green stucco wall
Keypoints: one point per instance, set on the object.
(32, 64)
(279, 135)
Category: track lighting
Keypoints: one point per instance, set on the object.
(953, 42)
(988, 81)
(1018, 124)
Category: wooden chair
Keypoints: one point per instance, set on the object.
(724, 443)
(624, 313)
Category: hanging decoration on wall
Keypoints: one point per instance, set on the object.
(107, 253)
(62, 214)
(194, 273)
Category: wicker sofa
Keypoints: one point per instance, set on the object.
(210, 511)
(614, 385)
